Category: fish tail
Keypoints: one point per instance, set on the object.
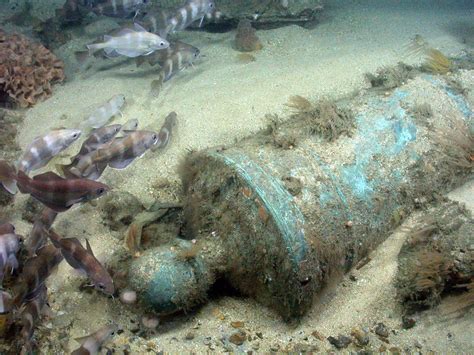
(92, 48)
(8, 177)
(22, 180)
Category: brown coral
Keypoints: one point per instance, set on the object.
(246, 40)
(27, 70)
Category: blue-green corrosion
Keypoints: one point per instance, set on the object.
(276, 199)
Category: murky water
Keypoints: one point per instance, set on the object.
(228, 175)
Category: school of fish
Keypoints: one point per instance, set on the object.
(26, 263)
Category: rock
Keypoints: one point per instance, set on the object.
(237, 324)
(361, 337)
(381, 330)
(340, 342)
(238, 338)
(189, 336)
(418, 344)
(318, 335)
(408, 323)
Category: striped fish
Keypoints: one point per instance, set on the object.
(191, 11)
(119, 8)
(104, 113)
(44, 148)
(118, 154)
(91, 344)
(130, 42)
(172, 60)
(165, 132)
(97, 138)
(29, 316)
(84, 260)
(38, 236)
(51, 190)
(35, 272)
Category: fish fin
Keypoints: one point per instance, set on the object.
(88, 247)
(120, 164)
(54, 207)
(139, 28)
(108, 37)
(55, 238)
(91, 48)
(200, 23)
(71, 261)
(10, 186)
(82, 340)
(48, 176)
(111, 53)
(73, 173)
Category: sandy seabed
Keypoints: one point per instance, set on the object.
(221, 100)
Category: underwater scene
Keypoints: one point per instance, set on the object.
(225, 176)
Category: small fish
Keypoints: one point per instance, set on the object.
(5, 302)
(104, 113)
(35, 272)
(165, 132)
(97, 138)
(9, 246)
(130, 43)
(44, 148)
(90, 344)
(174, 59)
(118, 154)
(7, 228)
(84, 260)
(30, 315)
(38, 236)
(119, 8)
(193, 10)
(52, 190)
(130, 126)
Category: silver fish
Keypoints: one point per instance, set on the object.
(119, 8)
(44, 148)
(118, 154)
(130, 43)
(193, 10)
(90, 344)
(104, 113)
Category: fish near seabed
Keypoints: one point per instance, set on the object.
(9, 246)
(29, 316)
(52, 190)
(91, 344)
(118, 154)
(84, 260)
(164, 134)
(45, 147)
(38, 235)
(35, 272)
(191, 11)
(130, 43)
(104, 113)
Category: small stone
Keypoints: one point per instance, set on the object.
(394, 350)
(256, 345)
(381, 330)
(318, 335)
(238, 338)
(275, 347)
(259, 334)
(189, 336)
(340, 342)
(352, 277)
(408, 323)
(237, 324)
(207, 341)
(361, 337)
(382, 348)
(418, 344)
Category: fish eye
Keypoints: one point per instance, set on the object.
(100, 191)
(162, 44)
(75, 135)
(101, 286)
(155, 138)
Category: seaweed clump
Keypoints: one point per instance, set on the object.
(437, 258)
(437, 63)
(390, 77)
(246, 39)
(323, 118)
(422, 111)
